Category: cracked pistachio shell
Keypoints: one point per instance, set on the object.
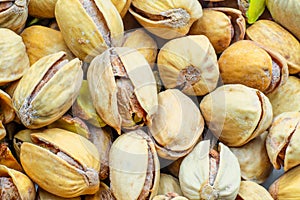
(168, 184)
(42, 9)
(7, 113)
(167, 19)
(2, 131)
(104, 193)
(110, 95)
(41, 41)
(20, 137)
(286, 13)
(47, 90)
(199, 179)
(252, 9)
(222, 26)
(122, 6)
(177, 125)
(252, 191)
(134, 166)
(258, 169)
(8, 159)
(283, 139)
(169, 196)
(61, 162)
(189, 63)
(13, 14)
(44, 195)
(260, 68)
(15, 185)
(263, 32)
(89, 27)
(14, 60)
(236, 113)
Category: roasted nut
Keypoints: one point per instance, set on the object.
(2, 131)
(14, 60)
(264, 31)
(236, 113)
(135, 166)
(168, 184)
(76, 162)
(167, 19)
(209, 174)
(258, 169)
(252, 9)
(259, 68)
(20, 137)
(15, 185)
(169, 196)
(42, 9)
(103, 193)
(47, 90)
(222, 26)
(8, 159)
(89, 27)
(122, 87)
(122, 6)
(44, 195)
(252, 191)
(7, 113)
(177, 125)
(282, 141)
(190, 64)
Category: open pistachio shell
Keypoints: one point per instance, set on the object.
(252, 191)
(167, 19)
(20, 137)
(252, 9)
(7, 113)
(168, 184)
(8, 159)
(2, 131)
(208, 174)
(44, 195)
(122, 6)
(42, 9)
(104, 193)
(135, 166)
(74, 160)
(169, 196)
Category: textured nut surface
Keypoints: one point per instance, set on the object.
(168, 184)
(252, 191)
(42, 9)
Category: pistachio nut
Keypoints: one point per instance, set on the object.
(252, 191)
(166, 19)
(47, 90)
(122, 6)
(83, 107)
(7, 113)
(42, 9)
(286, 98)
(41, 41)
(20, 137)
(44, 195)
(122, 87)
(286, 186)
(209, 174)
(136, 166)
(61, 162)
(236, 113)
(144, 43)
(169, 196)
(14, 60)
(8, 159)
(286, 13)
(264, 31)
(282, 141)
(190, 64)
(222, 26)
(252, 9)
(260, 68)
(2, 131)
(89, 27)
(15, 185)
(177, 125)
(168, 184)
(258, 169)
(13, 14)
(103, 193)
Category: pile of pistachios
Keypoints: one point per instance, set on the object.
(156, 99)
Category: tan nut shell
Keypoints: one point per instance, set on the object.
(42, 9)
(264, 32)
(54, 174)
(283, 138)
(23, 184)
(122, 6)
(169, 197)
(168, 183)
(174, 22)
(236, 113)
(14, 60)
(194, 174)
(8, 159)
(7, 112)
(129, 164)
(252, 191)
(20, 137)
(195, 51)
(54, 98)
(103, 193)
(2, 131)
(44, 195)
(177, 125)
(80, 32)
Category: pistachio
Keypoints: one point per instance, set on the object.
(122, 6)
(44, 195)
(169, 196)
(103, 193)
(168, 184)
(76, 162)
(252, 9)
(8, 159)
(47, 90)
(20, 137)
(2, 131)
(42, 9)
(252, 191)
(7, 113)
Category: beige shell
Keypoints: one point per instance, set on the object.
(282, 141)
(7, 113)
(189, 63)
(8, 159)
(168, 184)
(14, 15)
(20, 137)
(74, 160)
(47, 90)
(42, 9)
(252, 191)
(89, 27)
(44, 195)
(177, 125)
(110, 95)
(258, 169)
(15, 185)
(122, 6)
(201, 180)
(2, 131)
(134, 166)
(264, 32)
(169, 196)
(167, 19)
(14, 60)
(236, 113)
(104, 193)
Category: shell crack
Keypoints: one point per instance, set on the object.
(214, 161)
(5, 5)
(188, 77)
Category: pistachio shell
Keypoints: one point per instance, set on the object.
(169, 196)
(168, 183)
(8, 159)
(252, 9)
(2, 131)
(252, 191)
(20, 137)
(103, 193)
(44, 195)
(42, 9)
(122, 6)
(7, 112)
